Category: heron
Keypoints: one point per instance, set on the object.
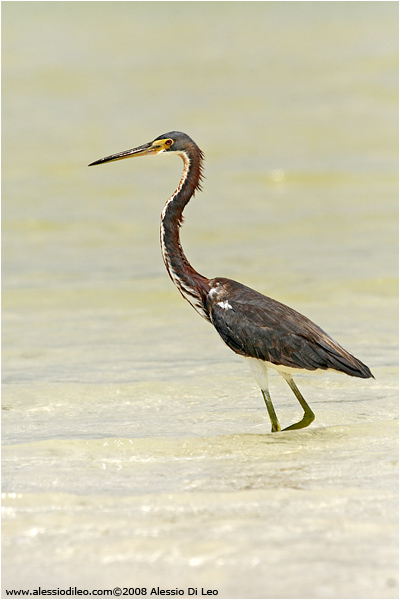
(264, 332)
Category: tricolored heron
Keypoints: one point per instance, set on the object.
(263, 331)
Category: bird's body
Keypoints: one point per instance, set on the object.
(263, 331)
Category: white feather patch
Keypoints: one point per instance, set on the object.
(225, 305)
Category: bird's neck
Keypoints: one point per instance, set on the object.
(193, 286)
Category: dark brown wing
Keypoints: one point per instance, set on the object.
(254, 325)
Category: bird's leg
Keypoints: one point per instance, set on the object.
(309, 416)
(271, 411)
(260, 372)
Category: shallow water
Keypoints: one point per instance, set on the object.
(136, 449)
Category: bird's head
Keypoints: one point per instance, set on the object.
(174, 141)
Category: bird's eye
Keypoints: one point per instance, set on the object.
(169, 142)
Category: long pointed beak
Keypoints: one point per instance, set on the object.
(139, 151)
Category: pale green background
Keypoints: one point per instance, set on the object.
(136, 447)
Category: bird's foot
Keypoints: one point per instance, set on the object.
(275, 427)
(307, 419)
